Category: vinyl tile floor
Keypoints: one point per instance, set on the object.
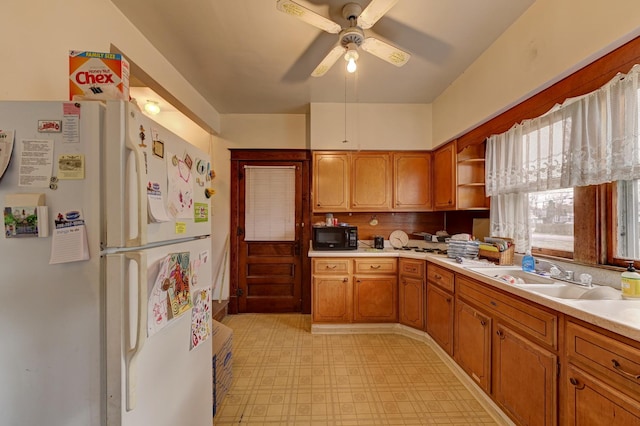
(284, 375)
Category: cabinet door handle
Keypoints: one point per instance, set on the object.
(483, 323)
(332, 266)
(500, 334)
(344, 280)
(620, 370)
(575, 382)
(448, 300)
(375, 266)
(438, 276)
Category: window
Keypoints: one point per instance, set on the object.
(270, 203)
(627, 223)
(586, 142)
(551, 219)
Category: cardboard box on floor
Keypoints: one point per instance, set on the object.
(222, 357)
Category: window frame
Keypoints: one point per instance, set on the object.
(612, 239)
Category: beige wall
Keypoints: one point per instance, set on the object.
(552, 39)
(370, 126)
(284, 131)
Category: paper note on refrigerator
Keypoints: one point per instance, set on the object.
(201, 317)
(180, 186)
(36, 163)
(69, 242)
(155, 204)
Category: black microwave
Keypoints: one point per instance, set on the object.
(335, 238)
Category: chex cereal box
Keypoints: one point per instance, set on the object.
(96, 75)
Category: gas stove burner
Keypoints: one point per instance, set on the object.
(430, 250)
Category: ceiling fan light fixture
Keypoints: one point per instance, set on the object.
(351, 57)
(152, 107)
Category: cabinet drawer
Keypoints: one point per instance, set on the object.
(441, 277)
(331, 266)
(380, 265)
(412, 268)
(617, 361)
(534, 322)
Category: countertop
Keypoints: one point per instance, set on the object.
(619, 316)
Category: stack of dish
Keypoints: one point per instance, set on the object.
(466, 249)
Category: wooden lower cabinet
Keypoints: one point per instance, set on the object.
(602, 381)
(332, 293)
(525, 378)
(472, 339)
(411, 306)
(590, 401)
(411, 293)
(331, 299)
(440, 316)
(349, 290)
(510, 348)
(375, 299)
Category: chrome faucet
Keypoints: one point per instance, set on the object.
(558, 272)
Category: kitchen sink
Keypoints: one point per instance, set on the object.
(572, 291)
(548, 286)
(518, 274)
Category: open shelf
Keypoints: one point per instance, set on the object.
(471, 178)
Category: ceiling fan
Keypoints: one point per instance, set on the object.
(352, 37)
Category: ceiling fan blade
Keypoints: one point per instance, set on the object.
(385, 51)
(328, 61)
(310, 17)
(374, 11)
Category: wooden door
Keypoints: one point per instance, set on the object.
(270, 276)
(472, 343)
(525, 379)
(444, 177)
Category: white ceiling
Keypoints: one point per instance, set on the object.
(244, 56)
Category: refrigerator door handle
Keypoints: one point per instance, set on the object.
(141, 333)
(137, 197)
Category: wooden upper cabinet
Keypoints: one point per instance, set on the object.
(331, 174)
(378, 181)
(444, 177)
(412, 181)
(371, 181)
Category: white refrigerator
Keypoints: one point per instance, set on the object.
(106, 273)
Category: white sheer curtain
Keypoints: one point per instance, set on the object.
(587, 140)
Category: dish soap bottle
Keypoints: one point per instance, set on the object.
(528, 262)
(630, 283)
